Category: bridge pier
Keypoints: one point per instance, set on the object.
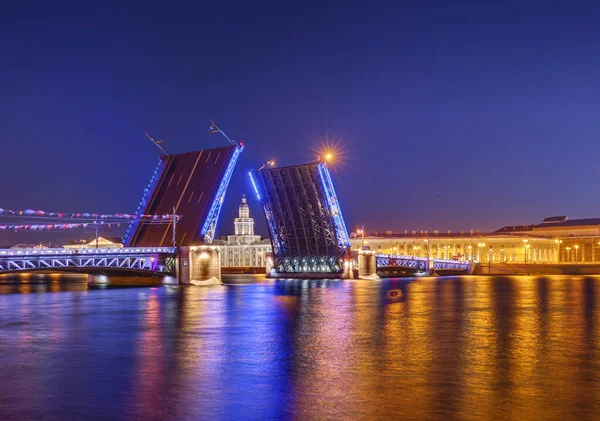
(367, 264)
(98, 279)
(199, 265)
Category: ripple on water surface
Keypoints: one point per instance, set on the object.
(425, 349)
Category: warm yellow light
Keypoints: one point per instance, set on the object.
(328, 157)
(204, 256)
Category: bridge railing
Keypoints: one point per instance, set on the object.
(423, 263)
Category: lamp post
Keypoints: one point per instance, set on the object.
(479, 247)
(576, 249)
(361, 231)
(526, 250)
(470, 252)
(558, 243)
(568, 254)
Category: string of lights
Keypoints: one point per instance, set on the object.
(85, 215)
(49, 227)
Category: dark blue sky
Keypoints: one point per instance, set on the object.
(452, 116)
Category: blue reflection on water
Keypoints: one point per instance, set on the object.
(304, 349)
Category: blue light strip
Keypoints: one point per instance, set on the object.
(142, 205)
(254, 185)
(268, 210)
(334, 207)
(210, 225)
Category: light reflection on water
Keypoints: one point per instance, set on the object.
(432, 348)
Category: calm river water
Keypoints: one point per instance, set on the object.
(523, 348)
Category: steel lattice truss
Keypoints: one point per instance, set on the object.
(143, 201)
(403, 261)
(307, 229)
(452, 264)
(422, 264)
(151, 259)
(210, 225)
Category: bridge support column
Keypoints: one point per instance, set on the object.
(98, 280)
(199, 265)
(367, 263)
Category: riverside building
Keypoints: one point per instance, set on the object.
(555, 240)
(244, 248)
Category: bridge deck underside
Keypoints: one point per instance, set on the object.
(305, 236)
(188, 182)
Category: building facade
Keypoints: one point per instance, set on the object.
(554, 240)
(244, 248)
(102, 242)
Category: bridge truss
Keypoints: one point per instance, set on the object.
(416, 263)
(151, 259)
(423, 264)
(306, 226)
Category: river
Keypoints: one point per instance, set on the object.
(422, 349)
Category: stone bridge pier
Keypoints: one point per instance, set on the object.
(367, 263)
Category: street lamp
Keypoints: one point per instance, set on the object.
(470, 252)
(361, 232)
(479, 247)
(526, 248)
(415, 249)
(576, 249)
(558, 243)
(568, 254)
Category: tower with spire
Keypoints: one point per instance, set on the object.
(244, 226)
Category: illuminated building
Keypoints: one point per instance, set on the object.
(103, 242)
(244, 248)
(555, 239)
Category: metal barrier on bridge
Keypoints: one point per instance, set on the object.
(150, 259)
(417, 263)
(424, 264)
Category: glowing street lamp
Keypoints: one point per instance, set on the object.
(576, 249)
(558, 243)
(526, 250)
(361, 232)
(568, 253)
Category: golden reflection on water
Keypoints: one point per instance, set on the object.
(425, 349)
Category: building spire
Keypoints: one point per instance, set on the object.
(244, 225)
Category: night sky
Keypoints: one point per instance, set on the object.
(449, 116)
